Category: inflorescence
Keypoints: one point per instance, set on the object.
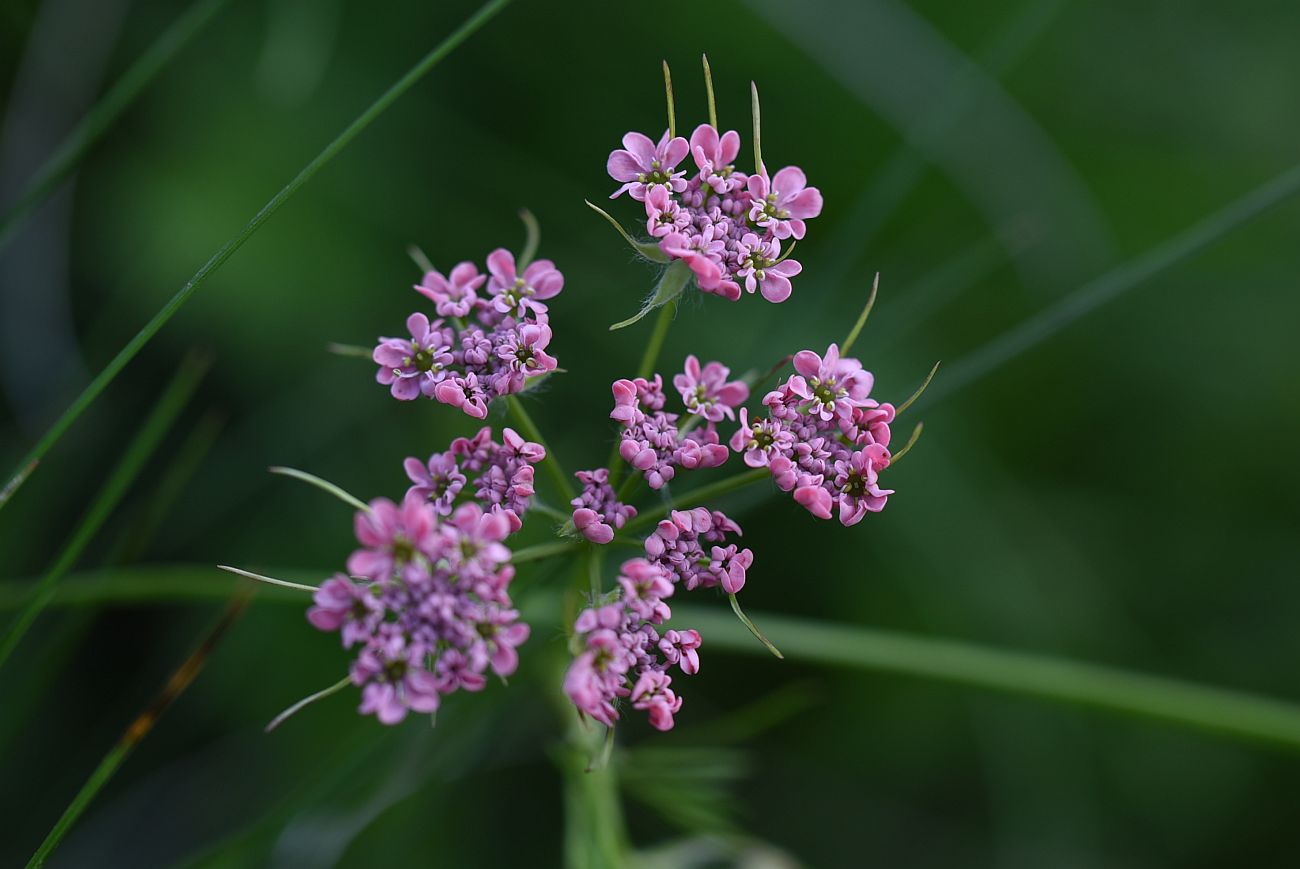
(425, 600)
(481, 345)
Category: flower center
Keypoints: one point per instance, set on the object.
(856, 485)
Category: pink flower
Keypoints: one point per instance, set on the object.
(438, 480)
(464, 392)
(783, 204)
(394, 681)
(707, 392)
(763, 269)
(760, 440)
(834, 386)
(416, 365)
(663, 215)
(392, 536)
(652, 694)
(597, 510)
(641, 164)
(518, 294)
(714, 156)
(343, 605)
(678, 647)
(856, 481)
(452, 297)
(525, 356)
(703, 255)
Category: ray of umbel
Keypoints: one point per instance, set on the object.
(100, 118)
(1232, 714)
(127, 353)
(146, 441)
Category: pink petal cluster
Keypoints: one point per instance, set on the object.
(425, 601)
(622, 654)
(824, 438)
(597, 511)
(656, 442)
(499, 476)
(726, 225)
(691, 546)
(483, 344)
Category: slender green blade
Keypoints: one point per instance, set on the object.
(139, 729)
(101, 117)
(1227, 713)
(1112, 284)
(160, 319)
(160, 420)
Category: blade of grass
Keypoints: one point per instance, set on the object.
(159, 422)
(139, 729)
(100, 118)
(1232, 714)
(324, 485)
(1223, 712)
(171, 484)
(1113, 283)
(146, 333)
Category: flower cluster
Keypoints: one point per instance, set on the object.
(597, 511)
(480, 346)
(499, 476)
(653, 441)
(425, 600)
(623, 654)
(727, 226)
(824, 439)
(691, 546)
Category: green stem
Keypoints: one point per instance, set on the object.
(138, 730)
(100, 118)
(534, 434)
(160, 319)
(1223, 712)
(142, 446)
(699, 496)
(544, 550)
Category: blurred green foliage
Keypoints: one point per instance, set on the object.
(1125, 493)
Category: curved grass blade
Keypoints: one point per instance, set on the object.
(324, 485)
(100, 118)
(1223, 712)
(159, 422)
(1113, 283)
(139, 729)
(146, 333)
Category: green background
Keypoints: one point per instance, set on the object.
(1123, 493)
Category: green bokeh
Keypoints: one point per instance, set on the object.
(1124, 493)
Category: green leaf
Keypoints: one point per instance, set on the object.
(644, 249)
(671, 285)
